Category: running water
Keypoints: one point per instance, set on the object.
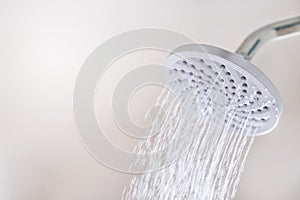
(209, 144)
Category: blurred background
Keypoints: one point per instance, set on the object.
(43, 45)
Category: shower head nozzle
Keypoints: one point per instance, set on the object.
(247, 89)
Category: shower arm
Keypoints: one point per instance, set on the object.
(277, 30)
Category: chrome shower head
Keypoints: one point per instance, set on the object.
(243, 85)
(247, 89)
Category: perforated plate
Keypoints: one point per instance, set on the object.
(244, 86)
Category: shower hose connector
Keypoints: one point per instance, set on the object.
(277, 30)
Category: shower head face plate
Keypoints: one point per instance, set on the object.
(252, 97)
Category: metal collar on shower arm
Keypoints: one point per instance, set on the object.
(267, 33)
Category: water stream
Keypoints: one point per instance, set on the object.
(210, 150)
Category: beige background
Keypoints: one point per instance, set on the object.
(43, 45)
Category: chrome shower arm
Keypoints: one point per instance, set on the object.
(267, 33)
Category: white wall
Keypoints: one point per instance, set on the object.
(43, 45)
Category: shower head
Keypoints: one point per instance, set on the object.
(244, 86)
(252, 95)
